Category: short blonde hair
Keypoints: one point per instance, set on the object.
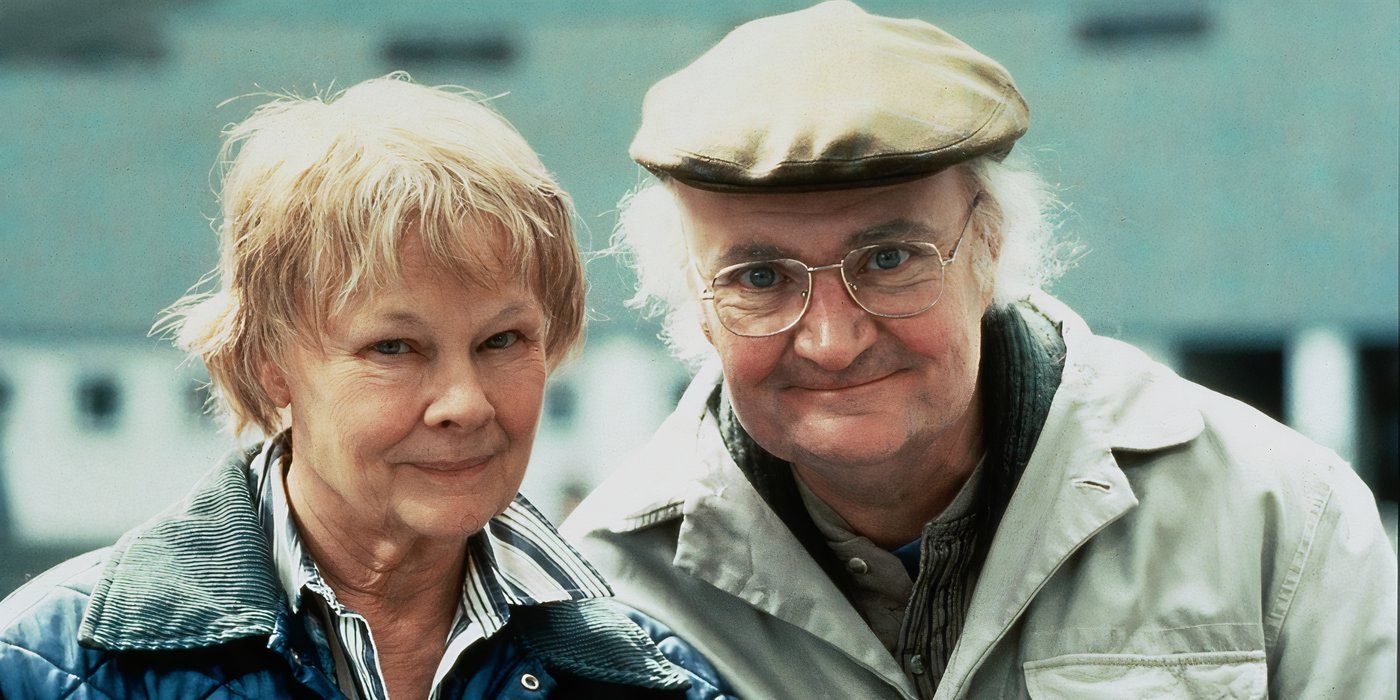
(316, 205)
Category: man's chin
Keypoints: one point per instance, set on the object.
(849, 440)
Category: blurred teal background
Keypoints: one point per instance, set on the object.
(1232, 171)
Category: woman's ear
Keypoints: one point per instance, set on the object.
(274, 383)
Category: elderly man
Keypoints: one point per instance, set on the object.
(910, 473)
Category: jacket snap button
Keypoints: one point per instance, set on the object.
(857, 565)
(916, 665)
(530, 681)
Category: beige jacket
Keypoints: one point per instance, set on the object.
(1164, 541)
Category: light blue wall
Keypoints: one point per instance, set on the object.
(1229, 187)
(1243, 180)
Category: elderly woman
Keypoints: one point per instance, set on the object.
(398, 276)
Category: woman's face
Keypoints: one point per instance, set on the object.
(416, 417)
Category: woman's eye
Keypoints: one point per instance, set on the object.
(501, 341)
(887, 259)
(760, 277)
(390, 347)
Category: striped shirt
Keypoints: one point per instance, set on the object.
(517, 559)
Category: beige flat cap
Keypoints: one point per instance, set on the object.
(830, 97)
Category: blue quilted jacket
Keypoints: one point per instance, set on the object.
(188, 606)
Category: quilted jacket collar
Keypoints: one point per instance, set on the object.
(198, 575)
(201, 574)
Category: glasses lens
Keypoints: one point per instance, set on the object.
(895, 279)
(760, 298)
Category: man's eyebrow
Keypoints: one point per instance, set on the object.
(751, 252)
(896, 230)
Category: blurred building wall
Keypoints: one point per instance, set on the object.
(1231, 170)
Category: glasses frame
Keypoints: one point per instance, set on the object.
(708, 293)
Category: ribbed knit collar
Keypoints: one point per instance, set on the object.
(1022, 359)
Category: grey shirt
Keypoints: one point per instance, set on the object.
(918, 630)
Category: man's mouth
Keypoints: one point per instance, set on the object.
(841, 385)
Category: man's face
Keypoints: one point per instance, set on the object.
(852, 399)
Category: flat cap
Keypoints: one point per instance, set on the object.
(830, 97)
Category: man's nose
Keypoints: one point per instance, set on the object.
(835, 330)
(458, 399)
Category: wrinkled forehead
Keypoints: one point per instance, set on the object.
(722, 228)
(474, 250)
(467, 252)
(486, 288)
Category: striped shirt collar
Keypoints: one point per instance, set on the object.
(517, 559)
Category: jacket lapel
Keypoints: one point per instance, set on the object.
(1072, 488)
(731, 539)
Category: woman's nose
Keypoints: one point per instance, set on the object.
(459, 401)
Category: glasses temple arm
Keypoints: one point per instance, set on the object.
(971, 210)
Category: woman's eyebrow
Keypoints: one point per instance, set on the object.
(412, 319)
(519, 307)
(407, 318)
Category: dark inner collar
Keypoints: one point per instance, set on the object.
(1023, 358)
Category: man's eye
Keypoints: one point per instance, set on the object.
(390, 347)
(887, 259)
(500, 341)
(760, 277)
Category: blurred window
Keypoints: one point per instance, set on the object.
(99, 401)
(1379, 429)
(82, 34)
(426, 49)
(561, 403)
(1124, 29)
(1252, 374)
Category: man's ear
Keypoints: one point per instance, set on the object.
(705, 328)
(274, 383)
(986, 261)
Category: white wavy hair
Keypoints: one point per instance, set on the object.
(1016, 217)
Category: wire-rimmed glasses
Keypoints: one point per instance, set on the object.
(892, 280)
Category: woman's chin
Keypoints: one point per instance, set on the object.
(445, 521)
